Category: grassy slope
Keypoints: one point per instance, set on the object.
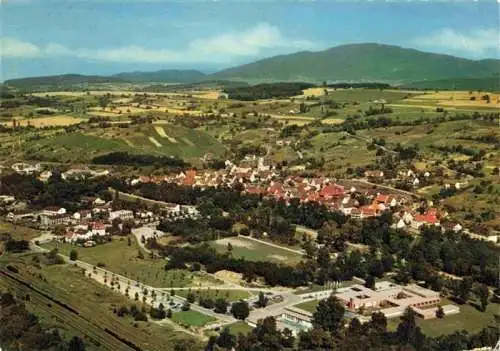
(94, 303)
(122, 259)
(79, 147)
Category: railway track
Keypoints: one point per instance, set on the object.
(99, 334)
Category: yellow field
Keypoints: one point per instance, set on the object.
(297, 120)
(332, 121)
(315, 91)
(458, 99)
(53, 121)
(161, 132)
(209, 95)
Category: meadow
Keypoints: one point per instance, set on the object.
(122, 259)
(214, 294)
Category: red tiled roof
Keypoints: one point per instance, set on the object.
(332, 190)
(189, 178)
(427, 218)
(368, 211)
(382, 198)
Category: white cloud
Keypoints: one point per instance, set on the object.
(221, 48)
(10, 47)
(476, 42)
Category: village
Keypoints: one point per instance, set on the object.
(356, 199)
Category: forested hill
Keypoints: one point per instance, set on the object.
(361, 62)
(59, 81)
(165, 75)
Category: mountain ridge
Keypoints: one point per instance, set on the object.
(357, 62)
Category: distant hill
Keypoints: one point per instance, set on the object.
(486, 84)
(63, 81)
(361, 62)
(163, 76)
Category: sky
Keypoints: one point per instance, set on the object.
(46, 37)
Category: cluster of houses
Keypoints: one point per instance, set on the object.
(86, 226)
(270, 183)
(71, 174)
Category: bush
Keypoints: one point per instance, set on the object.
(73, 255)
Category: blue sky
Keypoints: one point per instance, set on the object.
(44, 37)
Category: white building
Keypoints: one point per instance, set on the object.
(121, 214)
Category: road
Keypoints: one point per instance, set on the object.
(130, 288)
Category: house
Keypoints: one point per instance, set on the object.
(7, 199)
(386, 200)
(52, 211)
(331, 191)
(368, 211)
(374, 174)
(26, 168)
(45, 176)
(121, 214)
(98, 202)
(20, 215)
(52, 219)
(189, 178)
(430, 217)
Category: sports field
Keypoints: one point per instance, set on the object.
(256, 251)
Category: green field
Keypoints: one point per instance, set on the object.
(255, 251)
(72, 147)
(228, 295)
(192, 318)
(122, 259)
(239, 327)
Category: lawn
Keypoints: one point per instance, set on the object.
(239, 327)
(469, 319)
(309, 306)
(94, 304)
(255, 251)
(192, 318)
(228, 295)
(122, 259)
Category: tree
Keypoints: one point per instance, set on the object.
(329, 315)
(226, 340)
(370, 282)
(186, 306)
(440, 312)
(240, 310)
(220, 306)
(483, 293)
(190, 297)
(463, 288)
(76, 344)
(73, 255)
(408, 332)
(262, 301)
